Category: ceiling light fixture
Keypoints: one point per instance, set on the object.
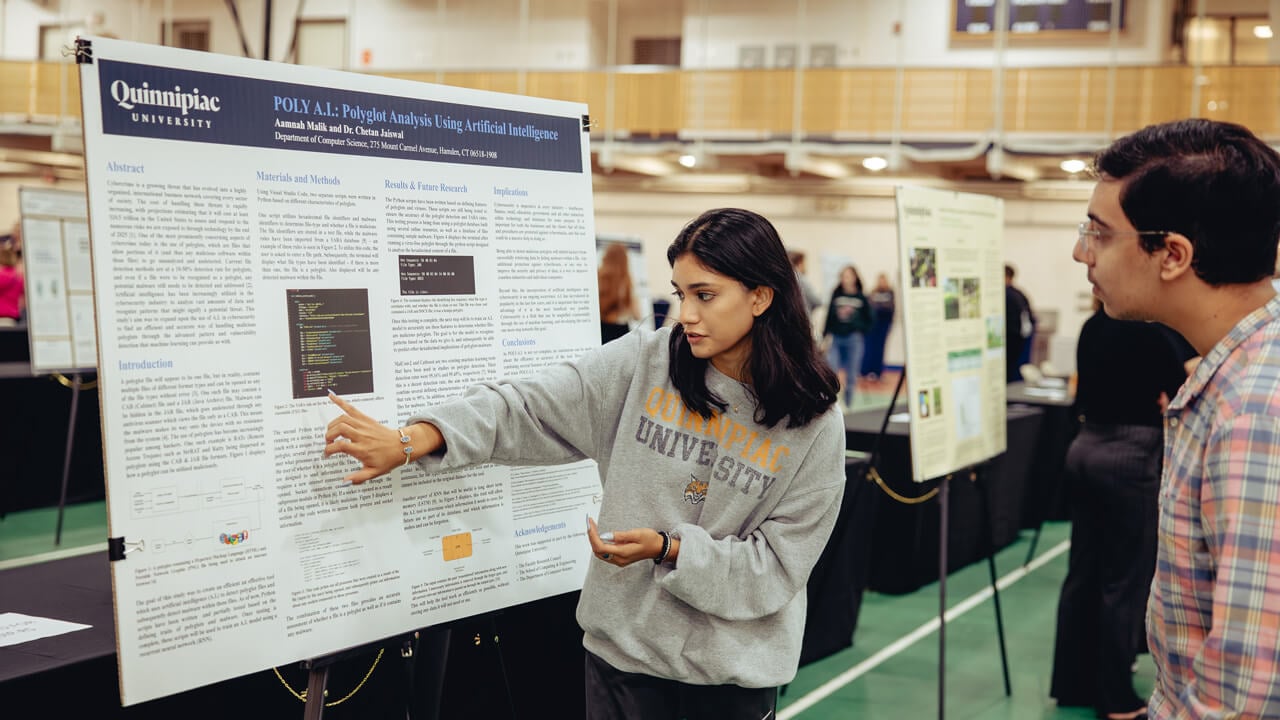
(875, 163)
(688, 160)
(1072, 166)
(1262, 32)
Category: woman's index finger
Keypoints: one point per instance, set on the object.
(347, 407)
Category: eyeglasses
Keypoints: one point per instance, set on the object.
(1087, 234)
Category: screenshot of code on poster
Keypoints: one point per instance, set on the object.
(329, 342)
(437, 275)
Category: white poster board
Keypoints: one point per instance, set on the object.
(951, 253)
(262, 233)
(59, 281)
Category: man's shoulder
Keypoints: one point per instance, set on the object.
(1248, 381)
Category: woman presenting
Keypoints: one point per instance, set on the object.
(721, 455)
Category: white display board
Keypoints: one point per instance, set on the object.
(951, 253)
(59, 281)
(263, 233)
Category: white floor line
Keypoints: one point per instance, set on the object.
(819, 693)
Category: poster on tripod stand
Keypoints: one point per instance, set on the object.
(59, 281)
(951, 260)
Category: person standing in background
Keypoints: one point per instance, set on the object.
(14, 240)
(882, 309)
(811, 298)
(618, 305)
(1019, 327)
(1127, 372)
(848, 319)
(12, 285)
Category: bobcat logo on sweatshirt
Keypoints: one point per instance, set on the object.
(696, 491)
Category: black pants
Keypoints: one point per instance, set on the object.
(1114, 471)
(616, 695)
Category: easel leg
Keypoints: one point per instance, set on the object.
(1035, 540)
(944, 503)
(427, 684)
(316, 681)
(991, 567)
(66, 461)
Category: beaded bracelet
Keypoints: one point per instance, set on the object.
(666, 548)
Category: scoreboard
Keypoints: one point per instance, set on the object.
(1031, 17)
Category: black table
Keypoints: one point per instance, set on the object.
(14, 345)
(76, 589)
(905, 537)
(1046, 497)
(839, 577)
(33, 441)
(75, 674)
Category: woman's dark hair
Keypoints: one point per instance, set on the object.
(1214, 182)
(788, 375)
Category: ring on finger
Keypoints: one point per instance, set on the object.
(604, 556)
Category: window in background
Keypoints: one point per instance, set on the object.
(1228, 40)
(784, 56)
(54, 38)
(186, 34)
(657, 51)
(322, 43)
(822, 55)
(751, 57)
(1250, 40)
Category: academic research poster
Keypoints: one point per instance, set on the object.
(59, 283)
(263, 233)
(951, 255)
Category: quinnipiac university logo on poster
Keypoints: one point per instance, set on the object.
(172, 106)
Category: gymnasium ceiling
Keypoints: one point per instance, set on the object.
(43, 152)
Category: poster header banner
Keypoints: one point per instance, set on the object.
(166, 103)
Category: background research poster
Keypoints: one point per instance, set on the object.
(951, 252)
(59, 282)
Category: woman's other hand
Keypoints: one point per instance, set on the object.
(628, 546)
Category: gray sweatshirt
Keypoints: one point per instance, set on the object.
(753, 506)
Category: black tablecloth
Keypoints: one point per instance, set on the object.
(75, 674)
(1046, 497)
(14, 344)
(904, 555)
(839, 578)
(33, 441)
(76, 589)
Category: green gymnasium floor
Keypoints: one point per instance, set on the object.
(890, 673)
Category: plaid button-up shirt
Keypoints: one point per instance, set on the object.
(1213, 620)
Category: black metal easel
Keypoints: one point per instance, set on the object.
(76, 383)
(425, 653)
(315, 696)
(943, 491)
(944, 501)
